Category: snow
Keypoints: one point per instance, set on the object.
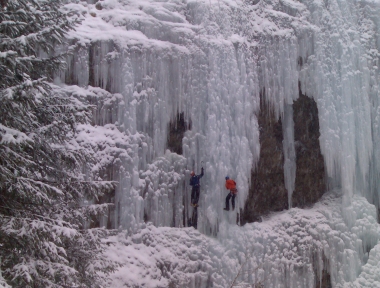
(287, 249)
(12, 136)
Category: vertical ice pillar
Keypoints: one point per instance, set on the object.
(289, 151)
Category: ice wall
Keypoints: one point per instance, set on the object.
(194, 57)
(211, 60)
(342, 76)
(335, 46)
(166, 58)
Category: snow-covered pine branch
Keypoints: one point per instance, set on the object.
(43, 177)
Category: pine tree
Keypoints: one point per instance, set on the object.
(43, 238)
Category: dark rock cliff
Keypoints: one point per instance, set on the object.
(267, 192)
(177, 128)
(310, 174)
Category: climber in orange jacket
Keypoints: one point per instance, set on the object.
(230, 185)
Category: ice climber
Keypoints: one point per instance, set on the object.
(194, 182)
(230, 185)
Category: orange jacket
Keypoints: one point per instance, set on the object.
(230, 184)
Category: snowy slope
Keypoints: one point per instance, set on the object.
(287, 249)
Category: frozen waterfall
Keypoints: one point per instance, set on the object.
(144, 63)
(211, 61)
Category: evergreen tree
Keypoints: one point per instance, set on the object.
(43, 238)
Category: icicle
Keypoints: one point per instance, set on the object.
(289, 152)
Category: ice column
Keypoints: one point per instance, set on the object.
(279, 83)
(289, 151)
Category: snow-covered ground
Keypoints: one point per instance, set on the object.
(286, 249)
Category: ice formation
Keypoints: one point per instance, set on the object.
(143, 62)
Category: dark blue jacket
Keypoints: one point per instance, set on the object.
(194, 180)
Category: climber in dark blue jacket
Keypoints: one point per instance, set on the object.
(194, 182)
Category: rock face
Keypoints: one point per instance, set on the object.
(325, 281)
(177, 129)
(267, 192)
(310, 174)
